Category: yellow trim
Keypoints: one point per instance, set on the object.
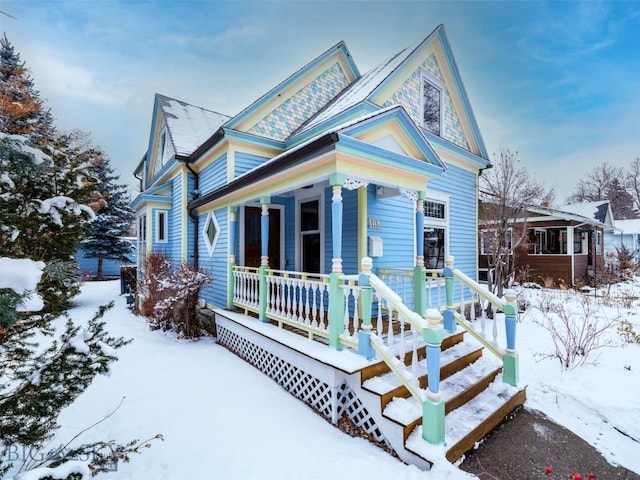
(321, 168)
(396, 132)
(363, 207)
(185, 215)
(277, 100)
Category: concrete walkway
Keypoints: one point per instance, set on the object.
(528, 442)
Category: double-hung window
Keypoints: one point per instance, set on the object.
(435, 233)
(431, 104)
(162, 226)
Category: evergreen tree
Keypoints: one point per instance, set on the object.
(43, 212)
(113, 217)
(21, 110)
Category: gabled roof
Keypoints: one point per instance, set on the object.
(627, 227)
(599, 211)
(361, 89)
(588, 213)
(370, 87)
(188, 126)
(338, 51)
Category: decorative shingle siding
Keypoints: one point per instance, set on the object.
(215, 292)
(306, 102)
(245, 162)
(175, 221)
(214, 176)
(408, 95)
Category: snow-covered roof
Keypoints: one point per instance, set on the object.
(626, 227)
(594, 210)
(564, 214)
(359, 90)
(189, 126)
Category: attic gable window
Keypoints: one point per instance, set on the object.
(431, 105)
(162, 142)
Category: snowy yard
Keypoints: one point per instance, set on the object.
(221, 418)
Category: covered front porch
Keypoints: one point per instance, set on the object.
(406, 379)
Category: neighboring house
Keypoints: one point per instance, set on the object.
(564, 245)
(281, 203)
(626, 234)
(88, 267)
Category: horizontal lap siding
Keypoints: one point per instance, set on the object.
(289, 233)
(213, 176)
(395, 216)
(245, 162)
(175, 221)
(463, 239)
(190, 224)
(215, 265)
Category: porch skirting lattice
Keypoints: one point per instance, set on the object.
(323, 387)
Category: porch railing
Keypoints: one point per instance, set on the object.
(389, 316)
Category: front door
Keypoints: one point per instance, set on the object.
(253, 237)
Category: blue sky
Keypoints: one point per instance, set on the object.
(558, 81)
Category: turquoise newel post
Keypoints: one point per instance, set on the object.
(336, 298)
(233, 213)
(433, 405)
(449, 321)
(419, 273)
(264, 258)
(364, 335)
(510, 357)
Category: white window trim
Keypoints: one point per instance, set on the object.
(438, 84)
(433, 196)
(211, 245)
(317, 192)
(482, 250)
(165, 231)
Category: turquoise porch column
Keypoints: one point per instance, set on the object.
(449, 321)
(336, 297)
(233, 214)
(264, 258)
(433, 406)
(364, 335)
(510, 362)
(419, 273)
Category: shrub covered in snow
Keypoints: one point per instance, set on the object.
(171, 295)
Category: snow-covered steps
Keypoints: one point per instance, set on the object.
(472, 421)
(453, 359)
(456, 389)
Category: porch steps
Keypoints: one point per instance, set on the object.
(476, 399)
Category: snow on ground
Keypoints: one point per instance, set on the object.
(222, 418)
(597, 402)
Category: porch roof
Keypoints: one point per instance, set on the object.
(323, 155)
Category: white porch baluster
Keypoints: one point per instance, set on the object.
(403, 346)
(414, 354)
(289, 291)
(379, 325)
(346, 311)
(390, 328)
(307, 288)
(483, 317)
(356, 321)
(322, 318)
